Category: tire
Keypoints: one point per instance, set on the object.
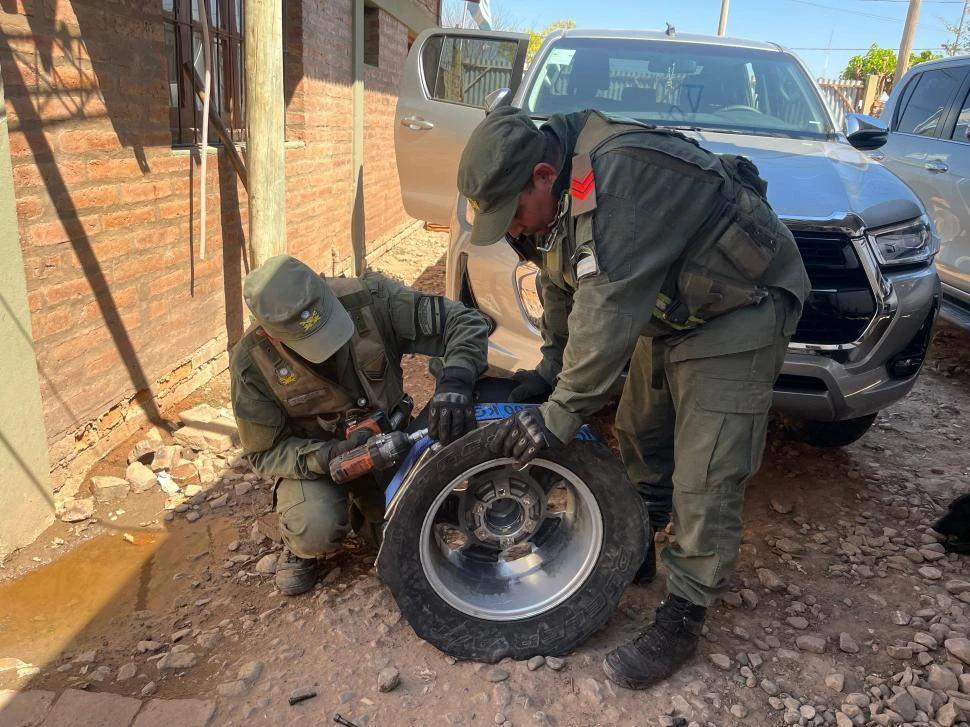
(831, 434)
(582, 608)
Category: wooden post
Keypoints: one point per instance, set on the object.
(357, 235)
(869, 97)
(264, 130)
(722, 24)
(906, 44)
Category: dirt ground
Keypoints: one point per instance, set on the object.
(837, 546)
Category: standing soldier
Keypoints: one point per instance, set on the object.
(321, 354)
(653, 247)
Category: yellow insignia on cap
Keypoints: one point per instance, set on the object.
(308, 320)
(475, 205)
(285, 376)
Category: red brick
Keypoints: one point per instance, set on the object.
(171, 210)
(99, 196)
(144, 191)
(29, 208)
(121, 169)
(127, 218)
(167, 282)
(69, 290)
(77, 142)
(52, 233)
(50, 321)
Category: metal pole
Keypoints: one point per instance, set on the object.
(357, 231)
(722, 25)
(264, 130)
(906, 44)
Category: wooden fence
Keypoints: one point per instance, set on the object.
(843, 97)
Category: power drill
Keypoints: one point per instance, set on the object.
(377, 453)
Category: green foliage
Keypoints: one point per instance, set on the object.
(881, 62)
(535, 39)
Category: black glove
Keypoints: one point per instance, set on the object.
(335, 448)
(522, 436)
(451, 412)
(531, 386)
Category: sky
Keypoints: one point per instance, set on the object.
(824, 33)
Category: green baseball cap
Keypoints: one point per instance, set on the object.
(495, 168)
(294, 304)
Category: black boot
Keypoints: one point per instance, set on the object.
(660, 650)
(648, 568)
(295, 575)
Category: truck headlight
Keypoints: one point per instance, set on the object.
(908, 243)
(527, 291)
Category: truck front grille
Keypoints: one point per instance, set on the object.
(841, 303)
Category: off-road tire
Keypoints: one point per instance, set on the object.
(554, 632)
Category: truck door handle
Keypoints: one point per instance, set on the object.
(413, 122)
(935, 165)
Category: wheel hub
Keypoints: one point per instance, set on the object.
(503, 512)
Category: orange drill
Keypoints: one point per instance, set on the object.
(378, 453)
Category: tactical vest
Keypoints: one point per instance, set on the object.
(314, 404)
(721, 267)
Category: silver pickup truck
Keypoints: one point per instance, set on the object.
(865, 238)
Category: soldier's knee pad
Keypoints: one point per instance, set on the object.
(313, 516)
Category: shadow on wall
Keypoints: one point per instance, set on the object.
(57, 76)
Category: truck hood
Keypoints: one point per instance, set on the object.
(822, 182)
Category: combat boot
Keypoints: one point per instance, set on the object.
(295, 575)
(647, 571)
(660, 650)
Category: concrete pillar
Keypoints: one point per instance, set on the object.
(28, 500)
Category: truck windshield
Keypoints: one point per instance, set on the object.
(672, 83)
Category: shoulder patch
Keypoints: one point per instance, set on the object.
(582, 185)
(430, 314)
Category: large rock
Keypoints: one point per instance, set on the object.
(960, 648)
(177, 661)
(190, 437)
(143, 451)
(140, 477)
(24, 708)
(941, 679)
(770, 580)
(199, 415)
(92, 709)
(176, 713)
(106, 489)
(77, 510)
(810, 643)
(947, 714)
(903, 705)
(166, 457)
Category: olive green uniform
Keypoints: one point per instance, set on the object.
(286, 408)
(673, 257)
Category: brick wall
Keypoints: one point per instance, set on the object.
(127, 319)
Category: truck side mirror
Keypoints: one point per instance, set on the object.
(865, 133)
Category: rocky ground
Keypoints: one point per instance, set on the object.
(159, 607)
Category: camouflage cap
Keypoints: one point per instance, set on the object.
(495, 168)
(294, 304)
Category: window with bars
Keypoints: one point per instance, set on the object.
(183, 45)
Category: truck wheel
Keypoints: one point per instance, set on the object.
(831, 434)
(486, 560)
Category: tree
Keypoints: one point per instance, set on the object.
(455, 15)
(881, 62)
(535, 39)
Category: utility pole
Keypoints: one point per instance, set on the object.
(264, 130)
(906, 44)
(722, 24)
